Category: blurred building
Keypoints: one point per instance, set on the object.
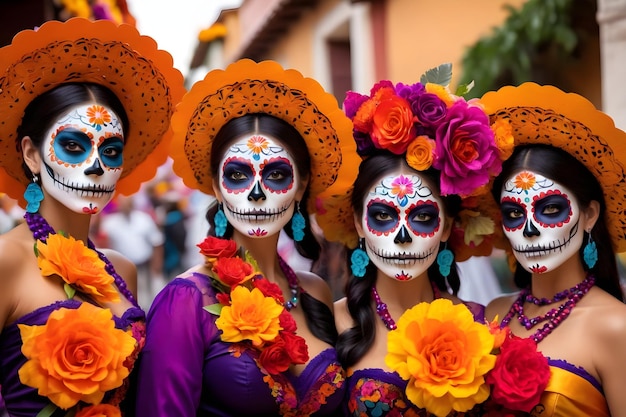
(349, 44)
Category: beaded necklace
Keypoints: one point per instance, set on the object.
(294, 285)
(555, 316)
(41, 229)
(383, 311)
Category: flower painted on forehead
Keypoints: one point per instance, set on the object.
(401, 187)
(257, 144)
(525, 180)
(98, 116)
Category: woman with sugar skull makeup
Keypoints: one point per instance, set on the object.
(561, 198)
(76, 129)
(243, 333)
(426, 154)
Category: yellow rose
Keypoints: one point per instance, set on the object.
(419, 154)
(78, 355)
(444, 354)
(250, 316)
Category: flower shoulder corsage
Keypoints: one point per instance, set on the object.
(76, 357)
(453, 363)
(250, 308)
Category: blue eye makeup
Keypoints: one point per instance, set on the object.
(111, 152)
(552, 210)
(424, 219)
(278, 176)
(513, 215)
(237, 175)
(382, 218)
(72, 146)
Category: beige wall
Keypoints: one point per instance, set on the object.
(424, 34)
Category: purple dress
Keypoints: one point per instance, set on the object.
(378, 393)
(186, 370)
(23, 401)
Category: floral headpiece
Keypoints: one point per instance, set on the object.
(433, 128)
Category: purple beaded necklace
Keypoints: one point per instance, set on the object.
(41, 229)
(294, 285)
(383, 311)
(555, 316)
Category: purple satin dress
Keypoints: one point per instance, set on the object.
(21, 400)
(186, 370)
(378, 393)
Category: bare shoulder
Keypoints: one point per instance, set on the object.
(13, 253)
(343, 320)
(316, 287)
(499, 306)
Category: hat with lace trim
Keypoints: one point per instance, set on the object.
(540, 114)
(102, 52)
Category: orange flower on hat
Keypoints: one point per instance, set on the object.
(80, 267)
(443, 354)
(505, 141)
(250, 316)
(100, 410)
(419, 154)
(78, 355)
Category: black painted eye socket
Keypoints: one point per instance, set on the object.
(382, 217)
(424, 219)
(513, 214)
(278, 176)
(237, 175)
(552, 209)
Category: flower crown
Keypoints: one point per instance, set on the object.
(431, 126)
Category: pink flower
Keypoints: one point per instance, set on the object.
(466, 152)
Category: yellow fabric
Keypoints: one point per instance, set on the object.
(570, 395)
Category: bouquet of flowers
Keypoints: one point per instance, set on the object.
(250, 308)
(453, 363)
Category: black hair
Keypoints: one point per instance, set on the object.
(319, 316)
(558, 165)
(356, 341)
(44, 110)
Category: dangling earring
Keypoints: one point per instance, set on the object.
(444, 260)
(359, 260)
(220, 221)
(590, 253)
(297, 224)
(33, 196)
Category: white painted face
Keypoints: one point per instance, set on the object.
(258, 182)
(541, 219)
(402, 225)
(82, 158)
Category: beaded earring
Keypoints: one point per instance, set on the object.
(444, 260)
(297, 224)
(33, 195)
(220, 221)
(359, 260)
(590, 252)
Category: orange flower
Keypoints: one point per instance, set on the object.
(98, 115)
(78, 355)
(525, 180)
(504, 138)
(500, 334)
(392, 125)
(100, 410)
(419, 154)
(363, 119)
(251, 316)
(79, 266)
(444, 354)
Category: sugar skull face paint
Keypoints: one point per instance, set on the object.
(82, 158)
(259, 183)
(541, 219)
(402, 224)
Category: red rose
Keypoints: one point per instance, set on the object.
(275, 358)
(223, 299)
(269, 289)
(214, 247)
(520, 375)
(287, 322)
(233, 271)
(296, 347)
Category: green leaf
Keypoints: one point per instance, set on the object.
(215, 309)
(47, 411)
(69, 291)
(35, 249)
(463, 89)
(441, 75)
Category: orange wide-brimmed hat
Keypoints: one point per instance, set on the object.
(535, 114)
(102, 52)
(248, 87)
